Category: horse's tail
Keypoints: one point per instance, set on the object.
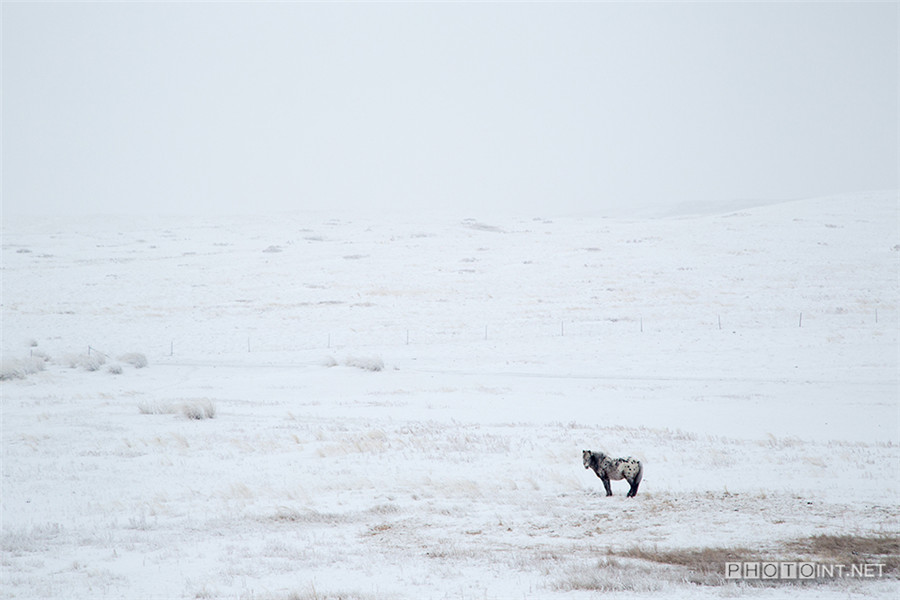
(640, 473)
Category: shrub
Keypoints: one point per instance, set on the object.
(34, 364)
(199, 409)
(11, 369)
(115, 369)
(88, 362)
(157, 408)
(91, 362)
(42, 355)
(20, 368)
(135, 359)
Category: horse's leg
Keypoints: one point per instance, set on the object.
(636, 482)
(633, 490)
(605, 481)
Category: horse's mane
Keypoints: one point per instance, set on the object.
(596, 459)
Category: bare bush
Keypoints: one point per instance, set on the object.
(115, 369)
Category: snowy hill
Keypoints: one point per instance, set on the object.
(351, 406)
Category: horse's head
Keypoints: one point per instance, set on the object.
(586, 457)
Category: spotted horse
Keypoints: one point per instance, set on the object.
(606, 468)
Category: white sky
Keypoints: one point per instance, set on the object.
(537, 108)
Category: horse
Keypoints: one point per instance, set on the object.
(606, 468)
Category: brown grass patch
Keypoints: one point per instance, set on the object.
(841, 545)
(706, 566)
(852, 549)
(691, 557)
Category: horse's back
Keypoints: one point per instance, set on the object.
(626, 468)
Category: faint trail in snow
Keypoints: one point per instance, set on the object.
(310, 365)
(520, 374)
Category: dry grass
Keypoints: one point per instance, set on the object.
(290, 515)
(706, 566)
(702, 559)
(850, 549)
(614, 575)
(835, 546)
(313, 594)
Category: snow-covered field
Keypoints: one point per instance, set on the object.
(385, 407)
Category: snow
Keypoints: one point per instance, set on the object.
(395, 407)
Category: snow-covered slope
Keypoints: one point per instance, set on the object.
(750, 359)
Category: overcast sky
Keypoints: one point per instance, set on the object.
(535, 108)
